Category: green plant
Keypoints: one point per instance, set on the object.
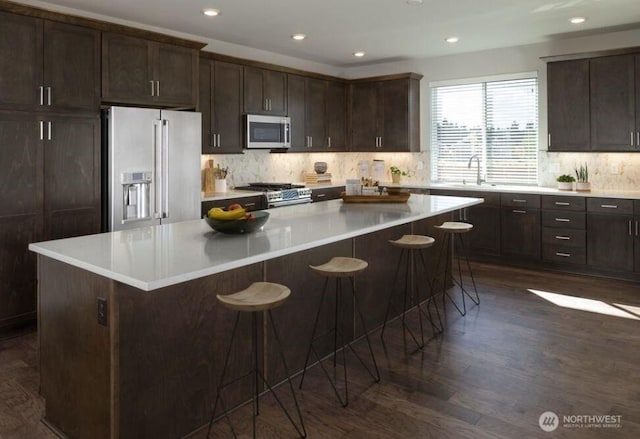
(565, 178)
(582, 174)
(397, 171)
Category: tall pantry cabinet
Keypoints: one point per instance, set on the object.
(49, 147)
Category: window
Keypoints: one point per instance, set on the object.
(497, 121)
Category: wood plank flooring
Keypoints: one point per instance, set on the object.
(490, 375)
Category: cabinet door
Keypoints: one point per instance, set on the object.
(610, 241)
(364, 116)
(296, 95)
(71, 66)
(613, 103)
(636, 243)
(254, 98)
(20, 61)
(520, 232)
(336, 116)
(276, 92)
(72, 177)
(20, 212)
(175, 72)
(568, 105)
(316, 112)
(205, 102)
(395, 113)
(127, 70)
(227, 106)
(484, 238)
(637, 101)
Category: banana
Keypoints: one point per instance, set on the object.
(222, 215)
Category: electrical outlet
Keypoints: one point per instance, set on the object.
(102, 311)
(614, 169)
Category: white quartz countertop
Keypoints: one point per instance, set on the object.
(153, 257)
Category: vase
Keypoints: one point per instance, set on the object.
(583, 186)
(395, 178)
(565, 186)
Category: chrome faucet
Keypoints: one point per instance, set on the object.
(478, 179)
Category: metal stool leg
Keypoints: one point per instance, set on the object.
(431, 299)
(375, 376)
(475, 300)
(313, 332)
(395, 280)
(449, 271)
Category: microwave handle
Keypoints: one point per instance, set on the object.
(287, 134)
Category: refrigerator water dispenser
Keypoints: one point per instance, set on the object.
(136, 192)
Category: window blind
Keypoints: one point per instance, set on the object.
(497, 121)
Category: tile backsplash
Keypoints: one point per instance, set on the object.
(607, 171)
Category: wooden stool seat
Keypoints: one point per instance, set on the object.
(340, 267)
(259, 296)
(455, 227)
(413, 241)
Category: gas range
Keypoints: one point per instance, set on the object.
(280, 194)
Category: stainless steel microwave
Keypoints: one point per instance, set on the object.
(267, 132)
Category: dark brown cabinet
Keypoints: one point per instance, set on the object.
(48, 66)
(568, 105)
(221, 106)
(317, 111)
(636, 234)
(326, 193)
(265, 91)
(613, 103)
(610, 234)
(143, 72)
(520, 225)
(563, 229)
(385, 115)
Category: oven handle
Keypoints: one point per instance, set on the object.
(288, 202)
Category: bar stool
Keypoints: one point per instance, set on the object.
(258, 297)
(453, 229)
(411, 247)
(339, 268)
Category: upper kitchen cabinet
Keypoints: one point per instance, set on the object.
(568, 105)
(47, 65)
(144, 72)
(221, 101)
(265, 91)
(613, 103)
(385, 114)
(317, 111)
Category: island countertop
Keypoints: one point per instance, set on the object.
(153, 257)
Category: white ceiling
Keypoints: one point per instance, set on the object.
(386, 30)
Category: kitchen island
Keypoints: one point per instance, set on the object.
(131, 335)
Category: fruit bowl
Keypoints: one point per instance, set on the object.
(242, 225)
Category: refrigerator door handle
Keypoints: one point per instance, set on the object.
(165, 169)
(157, 169)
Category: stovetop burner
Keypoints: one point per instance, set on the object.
(270, 186)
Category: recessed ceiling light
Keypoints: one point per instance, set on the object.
(414, 2)
(452, 40)
(577, 20)
(299, 37)
(211, 12)
(358, 54)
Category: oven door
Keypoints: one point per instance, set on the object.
(267, 132)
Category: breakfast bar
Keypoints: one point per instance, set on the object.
(130, 331)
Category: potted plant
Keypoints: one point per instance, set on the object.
(582, 175)
(565, 182)
(396, 173)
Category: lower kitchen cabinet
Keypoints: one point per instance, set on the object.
(563, 229)
(254, 202)
(610, 234)
(520, 232)
(326, 194)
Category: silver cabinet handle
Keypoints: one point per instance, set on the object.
(49, 130)
(519, 211)
(248, 204)
(329, 142)
(563, 220)
(631, 138)
(214, 139)
(49, 96)
(381, 142)
(519, 201)
(157, 88)
(564, 255)
(636, 228)
(638, 138)
(153, 90)
(41, 94)
(562, 203)
(41, 130)
(311, 141)
(563, 238)
(630, 228)
(609, 206)
(219, 141)
(321, 195)
(549, 139)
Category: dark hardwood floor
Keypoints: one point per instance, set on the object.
(490, 375)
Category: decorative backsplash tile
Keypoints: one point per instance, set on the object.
(614, 171)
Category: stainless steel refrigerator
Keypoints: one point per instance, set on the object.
(152, 167)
